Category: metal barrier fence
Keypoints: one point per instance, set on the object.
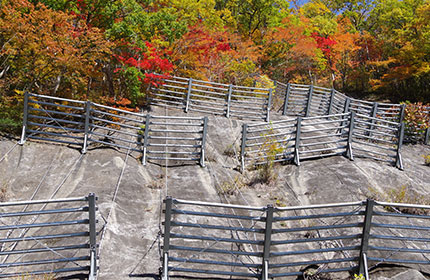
(309, 100)
(79, 124)
(302, 138)
(44, 237)
(213, 98)
(273, 242)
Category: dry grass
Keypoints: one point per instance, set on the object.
(427, 159)
(35, 277)
(232, 186)
(403, 194)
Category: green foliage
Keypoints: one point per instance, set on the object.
(359, 277)
(11, 109)
(269, 150)
(72, 48)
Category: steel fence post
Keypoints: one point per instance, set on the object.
(349, 153)
(146, 138)
(287, 97)
(267, 242)
(346, 105)
(366, 234)
(187, 101)
(243, 147)
(269, 103)
(345, 110)
(205, 128)
(166, 238)
(366, 270)
(24, 120)
(402, 113)
(401, 134)
(330, 104)
(308, 105)
(373, 115)
(427, 136)
(297, 142)
(230, 90)
(93, 235)
(87, 126)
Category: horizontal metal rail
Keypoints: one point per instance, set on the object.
(78, 233)
(214, 98)
(336, 236)
(113, 127)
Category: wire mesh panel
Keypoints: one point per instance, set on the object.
(269, 142)
(279, 96)
(320, 101)
(213, 98)
(338, 103)
(389, 112)
(297, 100)
(326, 241)
(375, 138)
(48, 237)
(208, 97)
(152, 137)
(176, 139)
(316, 240)
(324, 136)
(251, 103)
(361, 107)
(400, 234)
(55, 119)
(116, 128)
(213, 239)
(172, 92)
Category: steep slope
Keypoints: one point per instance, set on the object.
(130, 195)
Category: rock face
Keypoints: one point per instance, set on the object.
(409, 274)
(130, 195)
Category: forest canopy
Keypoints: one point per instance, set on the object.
(109, 50)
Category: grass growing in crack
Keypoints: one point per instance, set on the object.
(269, 151)
(231, 187)
(427, 159)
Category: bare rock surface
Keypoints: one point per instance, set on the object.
(130, 194)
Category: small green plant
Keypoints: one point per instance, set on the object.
(141, 130)
(359, 277)
(427, 159)
(269, 151)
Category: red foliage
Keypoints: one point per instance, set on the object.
(147, 61)
(324, 44)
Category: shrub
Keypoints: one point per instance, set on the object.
(269, 151)
(427, 159)
(417, 118)
(11, 111)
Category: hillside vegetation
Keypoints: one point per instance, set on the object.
(107, 51)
